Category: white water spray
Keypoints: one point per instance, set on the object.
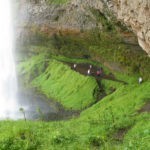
(9, 104)
(8, 84)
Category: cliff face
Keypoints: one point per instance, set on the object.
(136, 15)
(72, 15)
(84, 15)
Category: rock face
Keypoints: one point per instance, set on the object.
(136, 15)
(83, 15)
(72, 15)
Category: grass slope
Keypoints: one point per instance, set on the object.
(113, 123)
(59, 82)
(96, 128)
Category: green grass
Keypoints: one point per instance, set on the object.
(139, 135)
(32, 68)
(94, 129)
(59, 82)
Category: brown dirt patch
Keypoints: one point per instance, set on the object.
(145, 108)
(119, 135)
(83, 68)
(56, 30)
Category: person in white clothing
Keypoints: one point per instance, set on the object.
(88, 72)
(90, 66)
(140, 80)
(74, 66)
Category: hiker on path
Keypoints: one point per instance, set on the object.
(140, 80)
(88, 72)
(99, 72)
(74, 66)
(90, 66)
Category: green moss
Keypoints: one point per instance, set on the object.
(57, 1)
(101, 18)
(69, 45)
(59, 82)
(32, 68)
(96, 45)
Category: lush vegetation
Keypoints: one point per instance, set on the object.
(100, 46)
(93, 45)
(113, 123)
(56, 80)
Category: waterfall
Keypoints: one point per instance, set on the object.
(8, 82)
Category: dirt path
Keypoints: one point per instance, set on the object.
(83, 68)
(145, 107)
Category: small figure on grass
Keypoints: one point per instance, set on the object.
(74, 66)
(140, 80)
(90, 66)
(88, 71)
(99, 72)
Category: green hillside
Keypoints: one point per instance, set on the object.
(63, 107)
(57, 81)
(118, 121)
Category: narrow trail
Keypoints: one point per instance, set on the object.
(83, 67)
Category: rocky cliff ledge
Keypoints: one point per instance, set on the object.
(84, 15)
(136, 15)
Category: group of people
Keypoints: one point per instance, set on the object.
(99, 71)
(89, 70)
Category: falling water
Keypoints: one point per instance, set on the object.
(11, 99)
(8, 84)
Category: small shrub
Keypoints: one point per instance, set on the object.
(96, 141)
(62, 139)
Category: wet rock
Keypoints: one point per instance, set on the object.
(77, 15)
(136, 15)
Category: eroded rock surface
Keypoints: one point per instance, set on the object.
(136, 15)
(79, 15)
